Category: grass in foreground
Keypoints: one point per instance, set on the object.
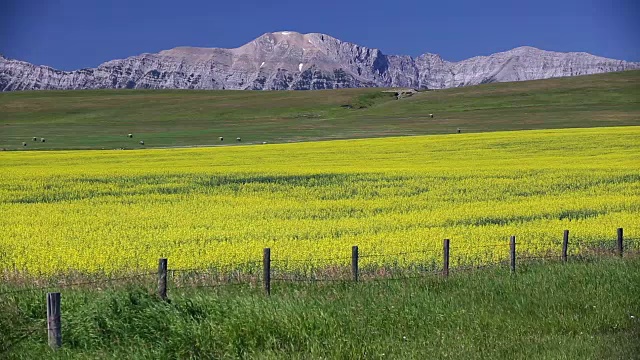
(102, 118)
(551, 311)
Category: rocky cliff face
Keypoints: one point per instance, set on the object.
(292, 61)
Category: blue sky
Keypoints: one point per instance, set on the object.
(73, 34)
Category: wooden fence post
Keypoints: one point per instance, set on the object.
(512, 252)
(565, 245)
(54, 328)
(445, 263)
(354, 263)
(620, 242)
(162, 278)
(266, 262)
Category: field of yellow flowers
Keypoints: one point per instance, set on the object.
(119, 211)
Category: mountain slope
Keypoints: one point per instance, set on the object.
(292, 61)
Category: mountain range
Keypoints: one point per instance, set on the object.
(289, 60)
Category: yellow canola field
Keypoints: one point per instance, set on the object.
(119, 211)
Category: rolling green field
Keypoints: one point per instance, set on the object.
(103, 118)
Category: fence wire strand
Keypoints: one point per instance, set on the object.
(311, 280)
(235, 267)
(64, 286)
(365, 255)
(506, 244)
(20, 339)
(309, 260)
(544, 257)
(210, 286)
(421, 276)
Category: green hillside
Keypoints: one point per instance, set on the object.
(103, 118)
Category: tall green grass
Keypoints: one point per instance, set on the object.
(547, 311)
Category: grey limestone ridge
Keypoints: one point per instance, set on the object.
(291, 61)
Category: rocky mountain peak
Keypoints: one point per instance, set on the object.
(288, 60)
(295, 38)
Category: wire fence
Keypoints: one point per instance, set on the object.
(365, 267)
(359, 267)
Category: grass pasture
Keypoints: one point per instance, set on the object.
(103, 118)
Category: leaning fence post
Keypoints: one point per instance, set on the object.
(266, 262)
(620, 242)
(354, 262)
(54, 328)
(162, 278)
(512, 252)
(445, 263)
(565, 245)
